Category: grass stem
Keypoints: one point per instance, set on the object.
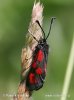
(68, 73)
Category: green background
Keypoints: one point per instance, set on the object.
(15, 16)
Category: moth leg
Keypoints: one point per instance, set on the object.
(33, 36)
(28, 58)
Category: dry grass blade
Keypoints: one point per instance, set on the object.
(23, 93)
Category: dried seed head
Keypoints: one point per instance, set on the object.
(27, 52)
(35, 30)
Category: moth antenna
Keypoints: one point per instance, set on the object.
(52, 19)
(40, 27)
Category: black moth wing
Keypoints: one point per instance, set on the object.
(36, 75)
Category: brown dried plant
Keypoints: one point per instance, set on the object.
(26, 56)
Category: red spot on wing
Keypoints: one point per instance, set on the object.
(34, 64)
(40, 55)
(39, 71)
(32, 78)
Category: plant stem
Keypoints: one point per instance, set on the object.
(68, 73)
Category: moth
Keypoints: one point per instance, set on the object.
(37, 73)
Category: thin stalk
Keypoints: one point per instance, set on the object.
(68, 73)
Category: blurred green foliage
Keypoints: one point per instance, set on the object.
(15, 16)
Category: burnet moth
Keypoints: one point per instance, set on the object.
(37, 73)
